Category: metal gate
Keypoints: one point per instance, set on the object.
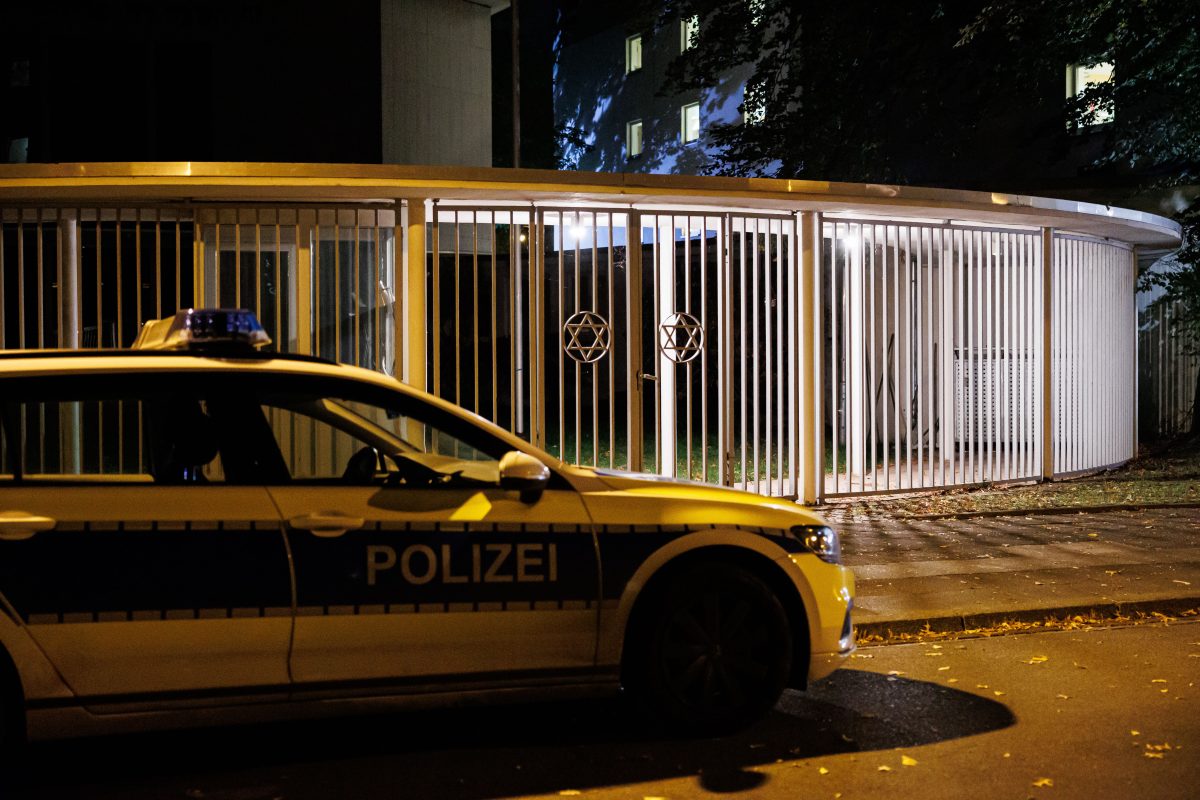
(653, 340)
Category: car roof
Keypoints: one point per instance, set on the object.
(33, 363)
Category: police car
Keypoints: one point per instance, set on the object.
(194, 531)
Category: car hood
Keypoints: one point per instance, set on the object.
(653, 500)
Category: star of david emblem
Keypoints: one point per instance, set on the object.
(681, 337)
(586, 336)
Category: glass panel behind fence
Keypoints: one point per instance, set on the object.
(353, 253)
(251, 261)
(481, 313)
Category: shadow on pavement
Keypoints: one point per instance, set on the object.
(506, 750)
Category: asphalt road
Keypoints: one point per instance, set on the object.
(1107, 713)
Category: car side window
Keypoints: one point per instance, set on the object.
(351, 441)
(152, 429)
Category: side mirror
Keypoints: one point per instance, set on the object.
(523, 473)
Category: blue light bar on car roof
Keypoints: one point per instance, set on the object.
(204, 328)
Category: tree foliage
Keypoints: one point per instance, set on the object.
(1154, 46)
(859, 91)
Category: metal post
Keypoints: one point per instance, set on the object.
(71, 419)
(68, 231)
(1047, 354)
(410, 312)
(306, 310)
(664, 273)
(809, 342)
(633, 295)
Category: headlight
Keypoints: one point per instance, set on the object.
(822, 540)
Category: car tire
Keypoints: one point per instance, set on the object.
(716, 651)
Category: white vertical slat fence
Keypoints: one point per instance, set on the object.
(1094, 354)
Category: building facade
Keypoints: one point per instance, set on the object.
(367, 81)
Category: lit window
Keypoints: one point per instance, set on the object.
(689, 31)
(754, 105)
(633, 53)
(633, 138)
(756, 11)
(689, 117)
(1080, 77)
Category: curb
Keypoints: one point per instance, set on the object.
(1028, 512)
(959, 623)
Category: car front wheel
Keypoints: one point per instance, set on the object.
(717, 650)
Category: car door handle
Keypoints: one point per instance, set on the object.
(322, 524)
(18, 525)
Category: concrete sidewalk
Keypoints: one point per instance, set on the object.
(957, 574)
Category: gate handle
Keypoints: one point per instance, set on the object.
(16, 526)
(326, 524)
(646, 376)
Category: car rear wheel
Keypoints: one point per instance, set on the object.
(717, 650)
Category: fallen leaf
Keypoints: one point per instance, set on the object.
(943, 669)
(1148, 754)
(1040, 782)
(935, 654)
(822, 771)
(886, 768)
(1063, 696)
(998, 693)
(1183, 583)
(908, 761)
(1135, 733)
(952, 680)
(1158, 680)
(981, 686)
(1038, 660)
(569, 793)
(895, 672)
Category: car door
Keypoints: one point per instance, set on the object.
(142, 572)
(411, 563)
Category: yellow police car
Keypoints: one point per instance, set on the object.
(193, 531)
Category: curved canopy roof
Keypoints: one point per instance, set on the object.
(270, 182)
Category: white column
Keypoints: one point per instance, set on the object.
(856, 422)
(665, 257)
